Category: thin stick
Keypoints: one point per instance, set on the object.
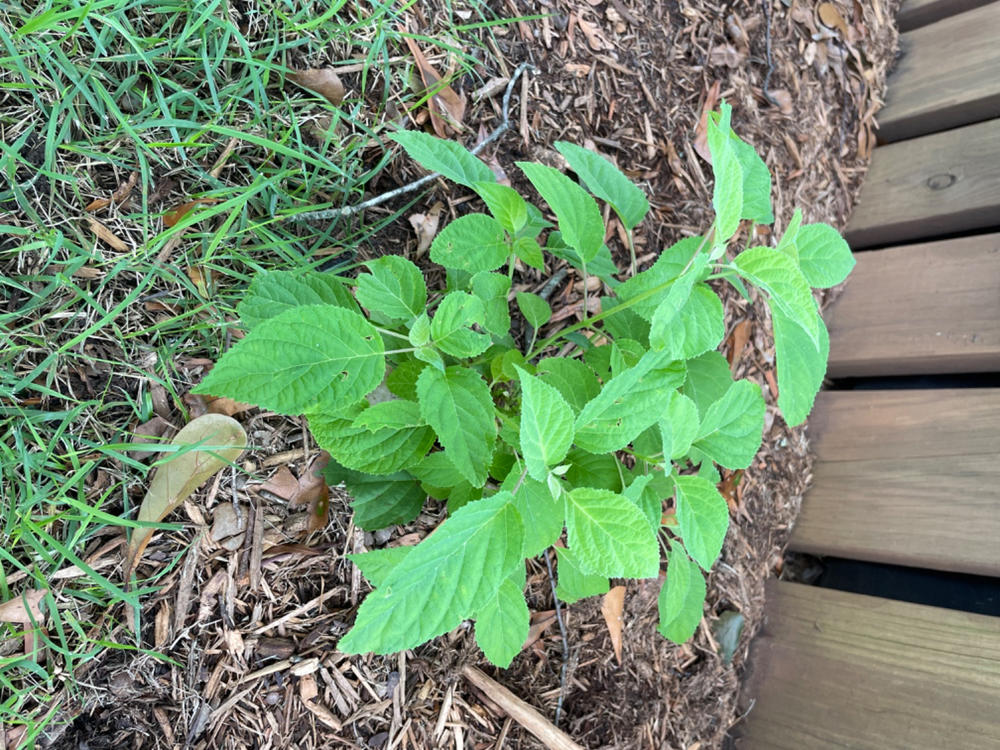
(333, 213)
(525, 715)
(565, 639)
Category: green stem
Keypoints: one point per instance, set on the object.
(387, 332)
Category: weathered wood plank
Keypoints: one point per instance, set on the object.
(929, 186)
(929, 308)
(906, 477)
(917, 13)
(948, 76)
(837, 670)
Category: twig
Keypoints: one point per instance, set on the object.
(524, 714)
(767, 47)
(565, 639)
(503, 127)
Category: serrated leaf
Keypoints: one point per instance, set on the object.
(505, 203)
(378, 563)
(420, 331)
(801, 364)
(607, 182)
(573, 583)
(383, 451)
(645, 290)
(756, 183)
(534, 309)
(457, 404)
(452, 322)
(445, 579)
(577, 212)
(379, 501)
(824, 256)
(602, 265)
(731, 430)
(679, 426)
(727, 193)
(628, 404)
(624, 324)
(610, 535)
(402, 380)
(682, 597)
(273, 292)
(472, 243)
(647, 502)
(693, 327)
(546, 425)
(447, 158)
(787, 242)
(708, 379)
(492, 289)
(529, 252)
(572, 378)
(541, 513)
(437, 470)
(702, 518)
(394, 287)
(502, 624)
(598, 470)
(304, 356)
(787, 289)
(395, 414)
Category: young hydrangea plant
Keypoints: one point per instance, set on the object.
(416, 393)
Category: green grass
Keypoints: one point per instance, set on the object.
(90, 93)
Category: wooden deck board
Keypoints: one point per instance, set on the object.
(948, 76)
(929, 186)
(929, 308)
(837, 670)
(917, 13)
(906, 477)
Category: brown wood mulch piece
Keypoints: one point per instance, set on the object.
(252, 631)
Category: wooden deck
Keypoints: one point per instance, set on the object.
(908, 477)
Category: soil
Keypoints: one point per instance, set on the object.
(253, 652)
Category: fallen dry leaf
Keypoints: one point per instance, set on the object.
(726, 54)
(782, 98)
(612, 606)
(146, 433)
(701, 132)
(172, 217)
(119, 195)
(177, 478)
(426, 226)
(446, 107)
(23, 610)
(282, 484)
(829, 16)
(737, 342)
(324, 81)
(198, 405)
(106, 235)
(197, 277)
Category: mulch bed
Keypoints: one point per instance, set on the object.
(254, 651)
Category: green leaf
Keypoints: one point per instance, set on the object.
(505, 203)
(786, 287)
(602, 266)
(572, 378)
(546, 425)
(457, 404)
(492, 289)
(605, 181)
(534, 309)
(451, 325)
(730, 433)
(697, 326)
(787, 242)
(708, 379)
(624, 323)
(530, 252)
(727, 630)
(402, 380)
(824, 256)
(573, 583)
(437, 470)
(682, 597)
(541, 513)
(578, 214)
(378, 563)
(679, 426)
(502, 623)
(304, 356)
(702, 517)
(431, 356)
(648, 502)
(801, 366)
(445, 579)
(610, 535)
(601, 471)
(447, 158)
(727, 194)
(756, 183)
(628, 404)
(645, 290)
(420, 332)
(382, 451)
(394, 287)
(472, 243)
(379, 501)
(535, 224)
(273, 292)
(396, 414)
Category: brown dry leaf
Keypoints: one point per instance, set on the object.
(172, 217)
(737, 342)
(119, 195)
(701, 133)
(829, 16)
(22, 609)
(426, 226)
(197, 277)
(198, 405)
(106, 235)
(176, 479)
(727, 488)
(782, 98)
(149, 432)
(726, 54)
(595, 35)
(447, 108)
(282, 484)
(314, 491)
(540, 622)
(612, 606)
(324, 81)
